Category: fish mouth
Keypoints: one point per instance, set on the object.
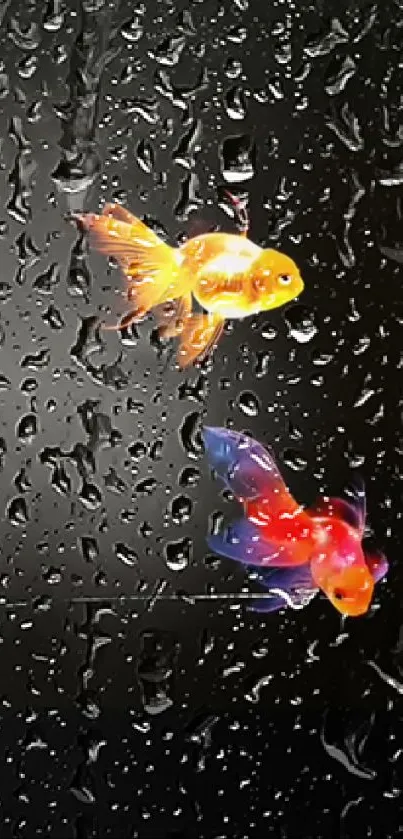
(351, 591)
(352, 610)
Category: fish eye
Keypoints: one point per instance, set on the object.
(285, 279)
(338, 594)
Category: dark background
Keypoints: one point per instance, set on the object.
(128, 707)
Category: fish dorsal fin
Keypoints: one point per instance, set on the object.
(356, 498)
(337, 508)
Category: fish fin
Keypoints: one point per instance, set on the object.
(355, 492)
(127, 242)
(283, 600)
(140, 253)
(172, 315)
(151, 266)
(292, 587)
(247, 468)
(199, 335)
(352, 511)
(134, 316)
(268, 604)
(288, 579)
(377, 564)
(240, 206)
(119, 213)
(243, 542)
(145, 295)
(336, 508)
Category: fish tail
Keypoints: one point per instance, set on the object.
(248, 469)
(251, 474)
(151, 266)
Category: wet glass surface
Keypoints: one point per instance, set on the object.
(140, 699)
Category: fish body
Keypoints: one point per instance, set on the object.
(220, 267)
(226, 274)
(294, 552)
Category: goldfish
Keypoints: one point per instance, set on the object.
(226, 274)
(295, 552)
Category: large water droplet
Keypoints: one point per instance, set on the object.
(177, 554)
(17, 511)
(249, 403)
(27, 428)
(301, 324)
(238, 159)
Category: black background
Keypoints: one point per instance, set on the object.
(128, 708)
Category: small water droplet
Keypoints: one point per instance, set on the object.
(177, 554)
(27, 428)
(238, 159)
(249, 403)
(17, 511)
(126, 555)
(301, 324)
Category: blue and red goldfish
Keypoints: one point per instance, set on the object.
(226, 274)
(295, 552)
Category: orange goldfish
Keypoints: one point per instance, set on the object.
(226, 274)
(294, 552)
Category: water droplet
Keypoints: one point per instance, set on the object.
(237, 34)
(126, 555)
(238, 159)
(235, 103)
(181, 509)
(47, 282)
(169, 51)
(233, 68)
(300, 322)
(27, 428)
(178, 554)
(338, 74)
(349, 754)
(60, 480)
(324, 42)
(190, 435)
(133, 29)
(17, 511)
(36, 362)
(294, 460)
(53, 318)
(249, 403)
(89, 548)
(90, 495)
(54, 16)
(145, 156)
(189, 477)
